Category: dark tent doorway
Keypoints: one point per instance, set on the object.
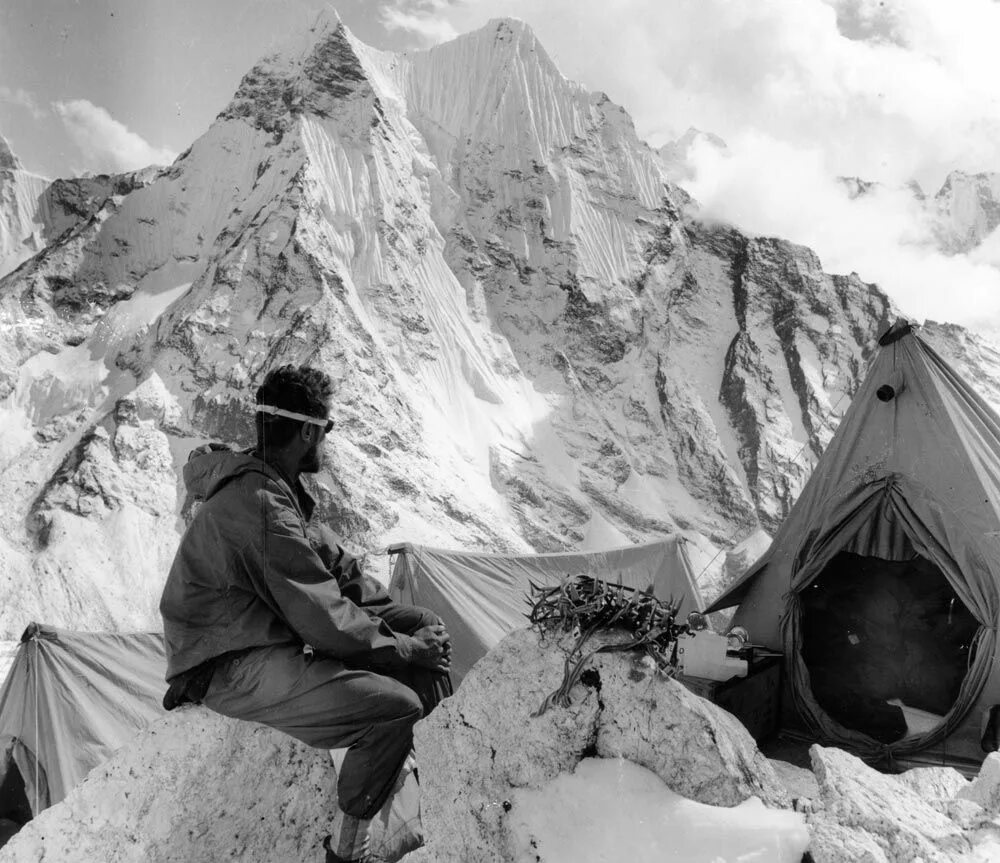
(886, 644)
(15, 809)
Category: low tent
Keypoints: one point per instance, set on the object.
(881, 585)
(70, 699)
(482, 597)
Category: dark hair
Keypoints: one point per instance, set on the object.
(301, 389)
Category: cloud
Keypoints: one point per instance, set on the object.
(22, 98)
(772, 188)
(423, 18)
(105, 143)
(988, 251)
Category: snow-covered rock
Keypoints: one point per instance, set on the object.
(484, 745)
(865, 813)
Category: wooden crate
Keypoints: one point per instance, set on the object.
(755, 699)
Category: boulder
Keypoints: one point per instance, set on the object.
(876, 810)
(834, 843)
(985, 788)
(482, 745)
(194, 786)
(934, 784)
(799, 782)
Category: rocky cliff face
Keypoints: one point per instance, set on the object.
(537, 343)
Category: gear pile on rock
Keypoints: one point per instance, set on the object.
(585, 605)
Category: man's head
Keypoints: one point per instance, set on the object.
(304, 392)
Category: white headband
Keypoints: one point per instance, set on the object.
(281, 412)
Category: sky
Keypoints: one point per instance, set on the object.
(801, 91)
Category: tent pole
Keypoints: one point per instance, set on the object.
(37, 739)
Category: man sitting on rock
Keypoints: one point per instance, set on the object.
(267, 619)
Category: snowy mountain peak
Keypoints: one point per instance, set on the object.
(511, 30)
(327, 21)
(8, 161)
(500, 42)
(307, 76)
(497, 88)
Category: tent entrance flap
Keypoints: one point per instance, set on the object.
(886, 644)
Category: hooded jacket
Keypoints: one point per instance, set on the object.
(247, 574)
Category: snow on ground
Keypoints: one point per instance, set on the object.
(611, 810)
(153, 296)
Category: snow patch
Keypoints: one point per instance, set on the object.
(154, 294)
(609, 810)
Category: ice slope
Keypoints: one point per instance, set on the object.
(20, 210)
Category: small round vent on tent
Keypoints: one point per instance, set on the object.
(892, 388)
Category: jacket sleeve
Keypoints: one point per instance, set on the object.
(293, 577)
(361, 589)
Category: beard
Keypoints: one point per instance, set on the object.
(312, 460)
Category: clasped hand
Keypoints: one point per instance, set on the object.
(434, 648)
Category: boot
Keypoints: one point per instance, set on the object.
(366, 856)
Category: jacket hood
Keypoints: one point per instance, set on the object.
(210, 467)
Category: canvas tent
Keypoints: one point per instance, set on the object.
(881, 585)
(481, 597)
(70, 699)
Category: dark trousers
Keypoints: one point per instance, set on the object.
(330, 705)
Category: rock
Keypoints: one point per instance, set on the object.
(8, 161)
(934, 784)
(834, 843)
(194, 786)
(482, 744)
(880, 808)
(969, 816)
(985, 788)
(798, 781)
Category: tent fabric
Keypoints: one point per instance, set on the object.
(919, 474)
(482, 597)
(70, 699)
